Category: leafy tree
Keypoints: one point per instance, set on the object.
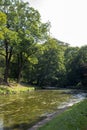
(83, 72)
(82, 64)
(24, 29)
(75, 61)
(72, 71)
(50, 64)
(6, 36)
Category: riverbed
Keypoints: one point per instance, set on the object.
(19, 112)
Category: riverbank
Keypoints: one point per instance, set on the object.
(15, 88)
(74, 118)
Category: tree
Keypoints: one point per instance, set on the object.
(71, 64)
(7, 36)
(82, 64)
(50, 67)
(24, 30)
(76, 59)
(83, 70)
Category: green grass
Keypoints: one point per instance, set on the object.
(75, 118)
(15, 89)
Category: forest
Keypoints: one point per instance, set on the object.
(29, 54)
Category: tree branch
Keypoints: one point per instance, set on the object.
(2, 54)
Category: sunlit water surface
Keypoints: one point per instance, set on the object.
(19, 112)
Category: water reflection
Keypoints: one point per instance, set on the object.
(19, 112)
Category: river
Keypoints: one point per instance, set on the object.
(19, 112)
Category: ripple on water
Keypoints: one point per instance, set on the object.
(27, 108)
(75, 99)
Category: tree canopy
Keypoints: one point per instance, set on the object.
(29, 54)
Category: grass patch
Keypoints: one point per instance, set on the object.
(74, 118)
(15, 89)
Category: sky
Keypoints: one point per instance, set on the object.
(68, 19)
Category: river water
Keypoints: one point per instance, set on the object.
(19, 112)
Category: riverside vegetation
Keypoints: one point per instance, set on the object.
(15, 89)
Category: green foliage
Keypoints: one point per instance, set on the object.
(29, 54)
(50, 66)
(23, 29)
(82, 56)
(3, 21)
(51, 63)
(71, 64)
(15, 90)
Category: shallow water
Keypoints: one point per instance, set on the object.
(19, 112)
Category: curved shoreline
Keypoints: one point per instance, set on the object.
(61, 109)
(48, 118)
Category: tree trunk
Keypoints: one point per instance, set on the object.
(20, 62)
(8, 56)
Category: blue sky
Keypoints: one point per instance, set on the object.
(68, 19)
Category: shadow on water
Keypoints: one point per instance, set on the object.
(21, 126)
